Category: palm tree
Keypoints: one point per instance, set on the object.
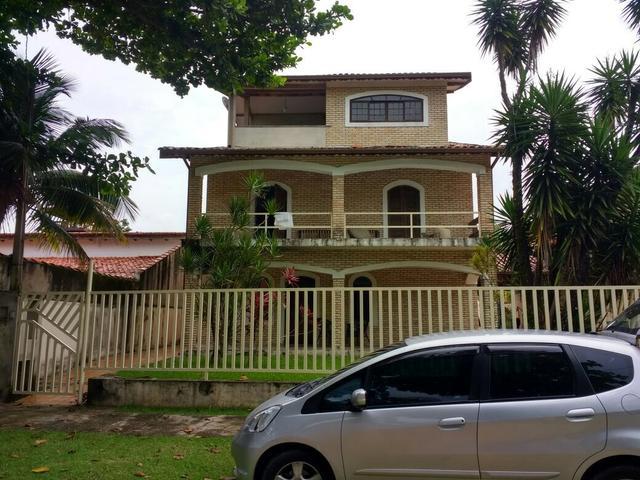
(631, 13)
(48, 160)
(516, 32)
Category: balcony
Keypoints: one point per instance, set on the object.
(367, 229)
(285, 136)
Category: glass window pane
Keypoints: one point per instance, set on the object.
(395, 112)
(433, 377)
(413, 111)
(606, 370)
(528, 372)
(338, 397)
(376, 112)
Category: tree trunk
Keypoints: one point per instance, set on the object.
(523, 266)
(17, 257)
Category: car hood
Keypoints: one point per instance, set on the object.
(279, 399)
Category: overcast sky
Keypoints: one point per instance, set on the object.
(384, 36)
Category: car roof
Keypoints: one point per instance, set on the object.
(517, 336)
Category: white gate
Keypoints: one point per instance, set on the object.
(46, 343)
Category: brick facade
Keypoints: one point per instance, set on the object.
(443, 190)
(339, 135)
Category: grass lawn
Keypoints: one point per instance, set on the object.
(102, 456)
(256, 376)
(240, 363)
(192, 411)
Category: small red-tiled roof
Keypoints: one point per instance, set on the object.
(122, 268)
(451, 147)
(82, 234)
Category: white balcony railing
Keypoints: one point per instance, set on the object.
(364, 225)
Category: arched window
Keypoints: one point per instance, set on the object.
(281, 195)
(386, 108)
(401, 200)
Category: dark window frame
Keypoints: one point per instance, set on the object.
(379, 100)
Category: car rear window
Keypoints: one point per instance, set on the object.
(606, 370)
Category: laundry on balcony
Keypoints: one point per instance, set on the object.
(283, 220)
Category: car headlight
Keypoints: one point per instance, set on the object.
(262, 419)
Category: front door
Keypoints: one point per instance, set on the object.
(537, 423)
(420, 420)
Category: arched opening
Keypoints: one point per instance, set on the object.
(401, 202)
(361, 307)
(274, 194)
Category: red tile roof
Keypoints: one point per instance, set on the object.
(122, 268)
(82, 234)
(451, 147)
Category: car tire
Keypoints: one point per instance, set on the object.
(297, 465)
(619, 472)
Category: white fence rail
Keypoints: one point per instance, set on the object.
(318, 330)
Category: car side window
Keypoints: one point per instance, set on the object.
(428, 377)
(606, 370)
(526, 372)
(335, 398)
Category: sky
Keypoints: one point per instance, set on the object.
(384, 36)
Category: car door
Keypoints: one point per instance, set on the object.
(539, 417)
(420, 420)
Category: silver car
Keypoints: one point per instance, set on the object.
(497, 405)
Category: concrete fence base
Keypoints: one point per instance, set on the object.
(110, 391)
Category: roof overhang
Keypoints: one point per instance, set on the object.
(468, 149)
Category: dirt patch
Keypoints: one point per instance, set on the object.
(85, 419)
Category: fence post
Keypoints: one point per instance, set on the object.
(338, 321)
(81, 357)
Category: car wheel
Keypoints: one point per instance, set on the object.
(621, 472)
(297, 465)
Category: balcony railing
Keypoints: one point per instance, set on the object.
(362, 225)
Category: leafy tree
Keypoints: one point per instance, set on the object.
(52, 171)
(223, 44)
(515, 33)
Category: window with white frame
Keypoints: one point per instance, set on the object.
(386, 108)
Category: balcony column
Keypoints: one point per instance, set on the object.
(485, 218)
(338, 307)
(337, 207)
(194, 200)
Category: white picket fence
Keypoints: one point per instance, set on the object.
(62, 335)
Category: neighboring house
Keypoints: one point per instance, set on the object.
(372, 191)
(140, 261)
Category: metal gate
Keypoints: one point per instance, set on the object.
(46, 343)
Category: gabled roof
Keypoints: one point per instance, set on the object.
(451, 147)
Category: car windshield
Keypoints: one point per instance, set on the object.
(628, 321)
(305, 388)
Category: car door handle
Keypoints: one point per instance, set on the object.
(453, 422)
(580, 414)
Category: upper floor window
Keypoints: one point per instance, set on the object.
(386, 108)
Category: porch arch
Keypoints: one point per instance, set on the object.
(313, 167)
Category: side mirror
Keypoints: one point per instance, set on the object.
(359, 399)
